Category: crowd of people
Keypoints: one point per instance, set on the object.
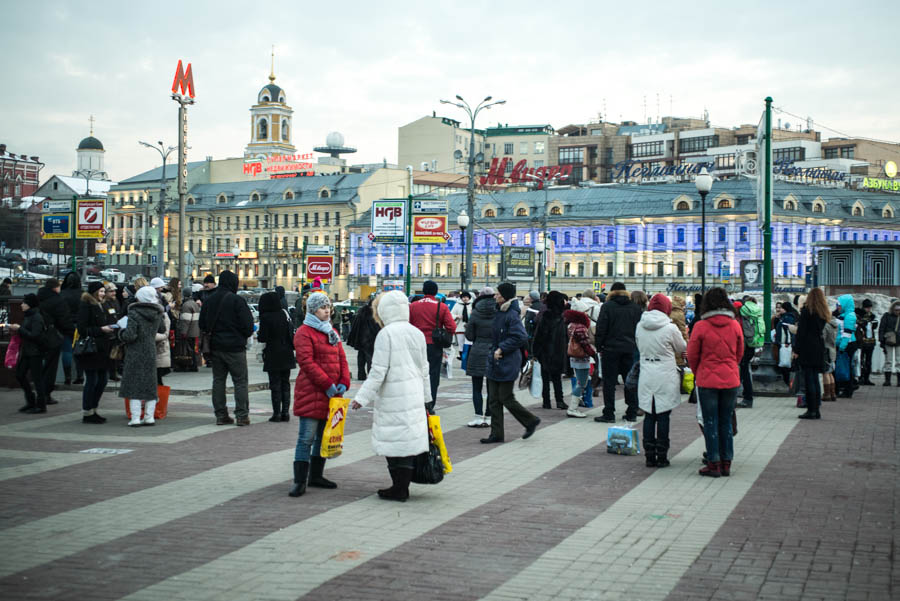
(138, 333)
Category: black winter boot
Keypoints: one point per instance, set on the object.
(650, 452)
(68, 374)
(276, 411)
(316, 480)
(301, 473)
(285, 411)
(399, 491)
(887, 379)
(662, 452)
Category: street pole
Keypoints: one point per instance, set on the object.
(183, 103)
(160, 238)
(409, 232)
(72, 230)
(703, 241)
(767, 220)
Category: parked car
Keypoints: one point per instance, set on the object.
(254, 310)
(34, 261)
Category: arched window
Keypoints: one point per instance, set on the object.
(265, 98)
(887, 213)
(724, 204)
(285, 131)
(818, 207)
(567, 238)
(789, 205)
(521, 212)
(489, 213)
(324, 194)
(683, 206)
(288, 195)
(254, 197)
(857, 212)
(262, 130)
(221, 199)
(556, 211)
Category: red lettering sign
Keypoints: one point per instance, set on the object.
(319, 267)
(389, 212)
(184, 80)
(252, 168)
(497, 173)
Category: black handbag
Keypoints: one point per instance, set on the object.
(84, 346)
(439, 335)
(429, 468)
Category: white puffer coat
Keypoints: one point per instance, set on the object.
(658, 341)
(398, 381)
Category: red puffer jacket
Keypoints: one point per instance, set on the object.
(715, 350)
(321, 365)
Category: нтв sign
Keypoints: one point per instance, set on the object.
(321, 267)
(91, 214)
(430, 229)
(389, 221)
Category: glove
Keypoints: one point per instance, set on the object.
(845, 340)
(341, 389)
(332, 391)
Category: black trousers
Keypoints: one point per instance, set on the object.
(32, 365)
(500, 395)
(47, 373)
(363, 363)
(614, 365)
(280, 389)
(656, 432)
(435, 358)
(401, 462)
(547, 377)
(746, 375)
(865, 367)
(813, 391)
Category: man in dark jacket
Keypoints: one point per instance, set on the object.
(504, 365)
(226, 316)
(615, 342)
(31, 331)
(59, 325)
(428, 314)
(866, 331)
(71, 292)
(363, 331)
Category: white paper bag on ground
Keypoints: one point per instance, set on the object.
(536, 382)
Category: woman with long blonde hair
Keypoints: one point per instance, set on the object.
(809, 349)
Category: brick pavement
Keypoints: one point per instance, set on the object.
(812, 513)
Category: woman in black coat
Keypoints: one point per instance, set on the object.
(277, 332)
(31, 331)
(480, 332)
(550, 343)
(92, 322)
(809, 349)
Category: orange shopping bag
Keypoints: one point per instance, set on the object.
(162, 404)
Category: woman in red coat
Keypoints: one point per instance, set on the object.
(324, 373)
(714, 354)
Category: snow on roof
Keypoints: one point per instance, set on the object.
(98, 186)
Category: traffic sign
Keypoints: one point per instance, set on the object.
(56, 206)
(428, 206)
(55, 227)
(319, 249)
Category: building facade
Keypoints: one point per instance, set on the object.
(19, 176)
(431, 144)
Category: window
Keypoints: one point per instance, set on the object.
(784, 269)
(699, 266)
(843, 235)
(724, 161)
(827, 235)
(286, 134)
(660, 236)
(818, 207)
(647, 149)
(315, 219)
(566, 269)
(683, 206)
(814, 235)
(324, 194)
(191, 224)
(509, 167)
(632, 236)
(789, 205)
(556, 211)
(722, 234)
(538, 149)
(697, 144)
(581, 270)
(699, 235)
(786, 236)
(337, 217)
(610, 268)
(580, 238)
(839, 152)
(246, 222)
(743, 233)
(527, 239)
(660, 269)
(855, 236)
(679, 235)
(887, 213)
(489, 213)
(679, 269)
(724, 204)
(288, 195)
(567, 238)
(865, 236)
(228, 222)
(327, 216)
(610, 237)
(254, 197)
(305, 219)
(521, 212)
(386, 270)
(799, 236)
(595, 238)
(449, 270)
(788, 155)
(571, 156)
(595, 270)
(508, 148)
(631, 269)
(262, 130)
(523, 147)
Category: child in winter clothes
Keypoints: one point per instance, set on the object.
(324, 374)
(31, 330)
(579, 350)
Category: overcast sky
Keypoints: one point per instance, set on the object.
(366, 68)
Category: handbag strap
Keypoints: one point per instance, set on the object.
(218, 312)
(437, 317)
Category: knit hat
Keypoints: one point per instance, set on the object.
(316, 301)
(147, 294)
(618, 286)
(486, 291)
(465, 294)
(317, 284)
(507, 290)
(429, 288)
(94, 287)
(866, 303)
(157, 283)
(209, 279)
(31, 300)
(535, 295)
(660, 302)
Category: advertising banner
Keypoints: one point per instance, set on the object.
(56, 206)
(518, 262)
(752, 275)
(55, 227)
(320, 266)
(91, 215)
(388, 222)
(430, 229)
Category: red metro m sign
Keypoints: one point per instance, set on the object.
(184, 80)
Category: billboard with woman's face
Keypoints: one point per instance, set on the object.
(752, 275)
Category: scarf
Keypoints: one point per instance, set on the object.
(465, 313)
(323, 326)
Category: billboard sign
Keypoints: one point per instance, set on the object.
(752, 275)
(55, 227)
(430, 229)
(388, 221)
(518, 262)
(91, 215)
(56, 206)
(429, 206)
(319, 266)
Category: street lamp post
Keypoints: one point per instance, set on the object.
(704, 185)
(164, 154)
(539, 249)
(545, 183)
(472, 159)
(462, 220)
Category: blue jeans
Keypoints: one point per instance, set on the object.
(717, 405)
(94, 385)
(581, 388)
(309, 438)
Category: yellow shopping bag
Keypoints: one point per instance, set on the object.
(437, 435)
(333, 435)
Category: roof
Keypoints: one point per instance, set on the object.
(519, 130)
(90, 143)
(633, 201)
(343, 188)
(274, 91)
(154, 174)
(78, 184)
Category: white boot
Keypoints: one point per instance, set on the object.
(485, 422)
(573, 412)
(149, 409)
(135, 406)
(476, 423)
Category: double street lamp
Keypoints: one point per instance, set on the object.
(704, 185)
(164, 154)
(542, 245)
(462, 220)
(471, 160)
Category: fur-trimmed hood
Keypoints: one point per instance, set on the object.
(572, 316)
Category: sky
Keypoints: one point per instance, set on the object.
(367, 68)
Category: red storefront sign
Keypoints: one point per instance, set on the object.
(497, 173)
(430, 229)
(319, 266)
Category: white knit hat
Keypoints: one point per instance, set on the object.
(147, 294)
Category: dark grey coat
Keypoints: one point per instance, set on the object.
(139, 337)
(479, 330)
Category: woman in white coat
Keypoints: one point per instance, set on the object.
(399, 382)
(659, 341)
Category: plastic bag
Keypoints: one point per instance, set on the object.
(526, 375)
(12, 352)
(537, 384)
(687, 381)
(784, 356)
(333, 435)
(622, 440)
(162, 404)
(631, 380)
(437, 437)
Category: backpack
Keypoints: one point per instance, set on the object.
(754, 336)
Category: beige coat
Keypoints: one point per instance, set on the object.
(163, 352)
